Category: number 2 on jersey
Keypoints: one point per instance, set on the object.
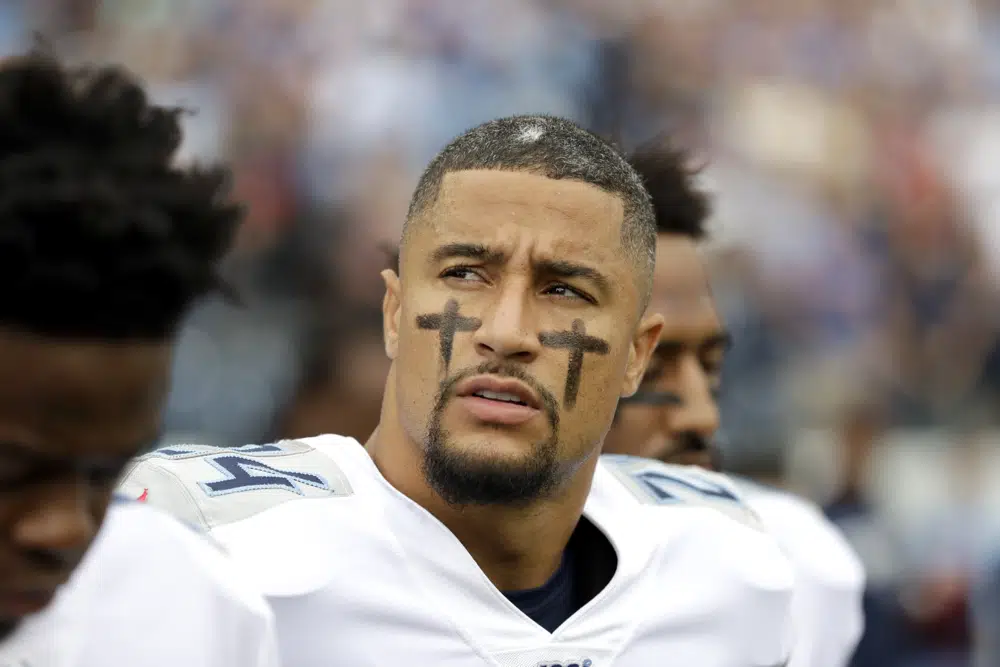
(663, 487)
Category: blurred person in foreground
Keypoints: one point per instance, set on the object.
(104, 245)
(674, 417)
(479, 525)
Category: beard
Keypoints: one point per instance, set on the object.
(464, 478)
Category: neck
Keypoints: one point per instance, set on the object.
(517, 548)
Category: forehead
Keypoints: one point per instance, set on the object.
(84, 390)
(558, 216)
(681, 289)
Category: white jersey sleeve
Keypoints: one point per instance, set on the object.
(210, 486)
(744, 581)
(334, 546)
(150, 592)
(830, 578)
(654, 482)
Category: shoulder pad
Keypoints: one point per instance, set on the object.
(653, 482)
(211, 486)
(813, 543)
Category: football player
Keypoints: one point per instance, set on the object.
(104, 244)
(479, 526)
(673, 417)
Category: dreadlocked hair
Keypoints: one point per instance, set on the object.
(101, 235)
(680, 206)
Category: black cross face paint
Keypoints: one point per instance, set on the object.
(578, 343)
(447, 323)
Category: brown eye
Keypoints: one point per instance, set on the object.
(564, 291)
(461, 273)
(14, 472)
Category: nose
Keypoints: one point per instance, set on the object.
(697, 412)
(60, 518)
(508, 332)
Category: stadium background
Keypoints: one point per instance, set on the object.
(852, 147)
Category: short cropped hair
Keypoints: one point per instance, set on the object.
(101, 234)
(558, 149)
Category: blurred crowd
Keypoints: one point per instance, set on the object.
(852, 149)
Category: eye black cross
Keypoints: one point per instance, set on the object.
(447, 323)
(578, 342)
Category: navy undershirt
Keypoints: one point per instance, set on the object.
(553, 602)
(589, 562)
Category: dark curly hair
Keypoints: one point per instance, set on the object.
(680, 206)
(101, 234)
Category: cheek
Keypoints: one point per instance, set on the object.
(601, 377)
(8, 511)
(597, 397)
(417, 379)
(100, 501)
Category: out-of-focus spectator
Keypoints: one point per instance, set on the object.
(944, 556)
(885, 640)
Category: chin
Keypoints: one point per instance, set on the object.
(494, 444)
(477, 468)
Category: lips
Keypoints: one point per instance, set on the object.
(501, 390)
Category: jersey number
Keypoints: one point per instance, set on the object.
(245, 474)
(659, 485)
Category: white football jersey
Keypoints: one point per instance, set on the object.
(829, 576)
(149, 593)
(360, 575)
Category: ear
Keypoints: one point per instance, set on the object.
(392, 308)
(647, 335)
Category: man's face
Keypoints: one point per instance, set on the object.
(674, 415)
(71, 416)
(513, 333)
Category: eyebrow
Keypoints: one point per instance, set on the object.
(549, 267)
(468, 251)
(563, 269)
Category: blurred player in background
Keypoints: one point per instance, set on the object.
(674, 416)
(104, 245)
(480, 526)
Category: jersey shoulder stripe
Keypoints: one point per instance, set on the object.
(209, 486)
(653, 482)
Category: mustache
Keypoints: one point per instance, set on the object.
(549, 403)
(691, 442)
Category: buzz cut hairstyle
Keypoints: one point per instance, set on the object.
(555, 148)
(102, 236)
